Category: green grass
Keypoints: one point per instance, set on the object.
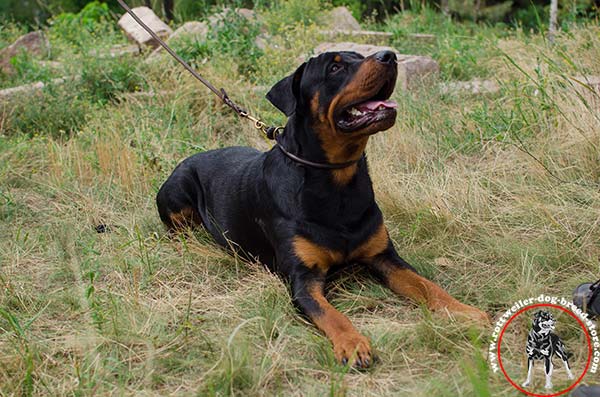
(495, 197)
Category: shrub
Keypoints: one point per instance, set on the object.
(102, 79)
(78, 29)
(55, 111)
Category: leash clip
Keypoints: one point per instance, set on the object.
(270, 132)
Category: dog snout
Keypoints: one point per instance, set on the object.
(385, 57)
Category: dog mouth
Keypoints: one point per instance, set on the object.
(547, 326)
(375, 109)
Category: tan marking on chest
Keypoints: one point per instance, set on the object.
(375, 245)
(314, 255)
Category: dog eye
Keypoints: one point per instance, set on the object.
(335, 67)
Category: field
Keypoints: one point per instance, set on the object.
(493, 196)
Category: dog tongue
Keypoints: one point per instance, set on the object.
(373, 105)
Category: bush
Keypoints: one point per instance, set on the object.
(94, 19)
(102, 79)
(55, 111)
(283, 15)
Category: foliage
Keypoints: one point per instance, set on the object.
(493, 196)
(93, 19)
(56, 112)
(461, 49)
(281, 15)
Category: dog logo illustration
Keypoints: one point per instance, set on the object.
(543, 344)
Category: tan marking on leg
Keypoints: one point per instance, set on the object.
(347, 342)
(374, 246)
(408, 283)
(314, 255)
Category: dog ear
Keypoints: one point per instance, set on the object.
(284, 95)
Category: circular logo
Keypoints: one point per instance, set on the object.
(544, 350)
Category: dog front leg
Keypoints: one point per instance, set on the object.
(401, 278)
(548, 367)
(348, 344)
(529, 372)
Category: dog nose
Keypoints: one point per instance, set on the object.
(387, 57)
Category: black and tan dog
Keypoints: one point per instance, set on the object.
(543, 344)
(302, 221)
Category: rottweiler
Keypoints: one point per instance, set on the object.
(543, 344)
(307, 205)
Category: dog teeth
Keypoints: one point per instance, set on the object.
(381, 107)
(355, 112)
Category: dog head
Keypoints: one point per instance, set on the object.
(543, 322)
(342, 91)
(341, 98)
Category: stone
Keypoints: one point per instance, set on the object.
(475, 87)
(195, 30)
(137, 33)
(340, 18)
(34, 43)
(8, 94)
(412, 69)
(116, 51)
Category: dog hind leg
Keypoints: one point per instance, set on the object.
(176, 205)
(560, 352)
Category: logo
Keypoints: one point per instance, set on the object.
(544, 346)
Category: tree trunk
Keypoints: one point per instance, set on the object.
(553, 14)
(445, 8)
(168, 4)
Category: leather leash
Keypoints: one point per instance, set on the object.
(270, 132)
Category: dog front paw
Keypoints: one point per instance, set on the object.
(355, 348)
(548, 385)
(525, 384)
(466, 313)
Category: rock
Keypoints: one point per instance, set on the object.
(262, 41)
(367, 34)
(8, 94)
(137, 33)
(474, 87)
(247, 13)
(363, 49)
(34, 43)
(412, 69)
(340, 18)
(374, 37)
(195, 30)
(116, 51)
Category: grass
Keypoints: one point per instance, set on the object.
(494, 197)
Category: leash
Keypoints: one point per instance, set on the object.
(271, 132)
